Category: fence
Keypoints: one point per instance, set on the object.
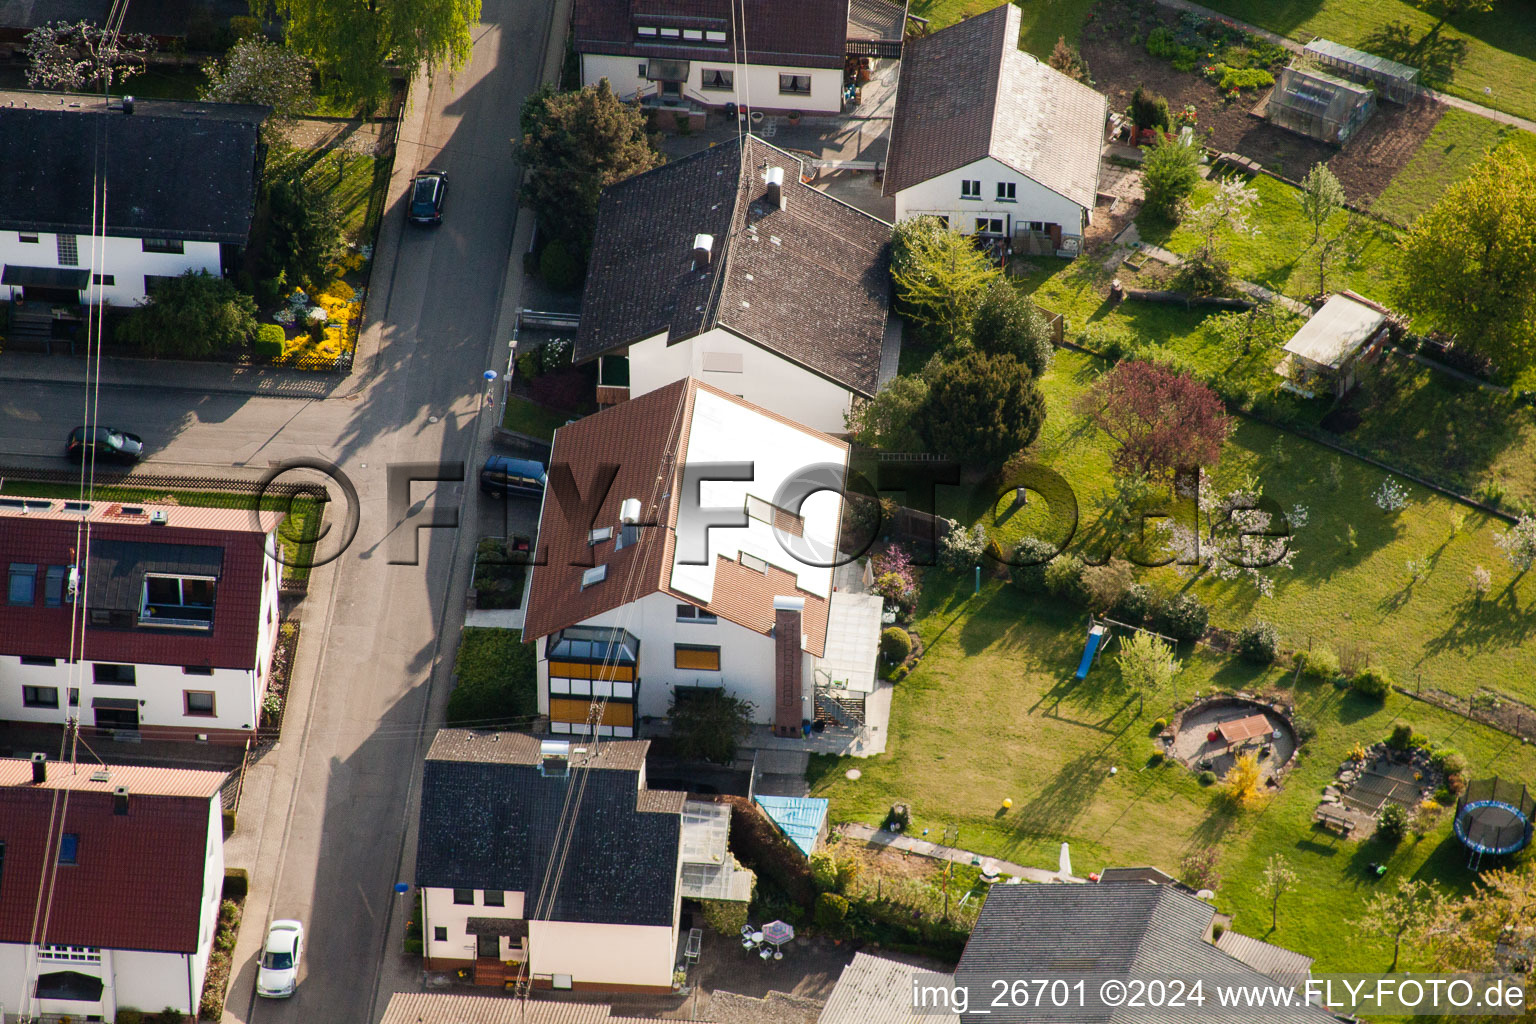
(1487, 707)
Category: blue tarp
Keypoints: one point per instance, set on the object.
(799, 818)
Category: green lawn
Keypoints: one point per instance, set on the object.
(530, 418)
(1458, 142)
(1276, 254)
(358, 184)
(1043, 22)
(1497, 49)
(297, 535)
(993, 712)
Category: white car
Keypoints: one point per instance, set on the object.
(280, 957)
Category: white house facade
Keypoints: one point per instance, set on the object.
(726, 267)
(176, 635)
(122, 271)
(994, 141)
(714, 83)
(139, 837)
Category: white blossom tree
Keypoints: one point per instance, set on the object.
(71, 56)
(1519, 543)
(1236, 535)
(256, 70)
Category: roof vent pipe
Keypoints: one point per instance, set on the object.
(703, 246)
(120, 800)
(775, 180)
(127, 104)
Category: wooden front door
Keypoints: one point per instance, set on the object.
(488, 946)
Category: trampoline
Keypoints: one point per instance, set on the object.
(1494, 817)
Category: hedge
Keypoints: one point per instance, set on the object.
(497, 679)
(759, 845)
(268, 343)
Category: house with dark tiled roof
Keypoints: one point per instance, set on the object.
(1121, 930)
(181, 181)
(148, 621)
(686, 544)
(549, 863)
(752, 53)
(993, 140)
(110, 881)
(725, 266)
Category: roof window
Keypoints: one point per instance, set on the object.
(594, 576)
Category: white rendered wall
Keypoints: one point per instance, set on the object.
(758, 89)
(941, 196)
(442, 912)
(602, 954)
(159, 687)
(123, 258)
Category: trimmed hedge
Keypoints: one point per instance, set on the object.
(895, 644)
(759, 845)
(497, 679)
(268, 343)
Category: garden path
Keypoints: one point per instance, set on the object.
(923, 848)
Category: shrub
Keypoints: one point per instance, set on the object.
(1372, 682)
(195, 314)
(559, 267)
(269, 342)
(1149, 110)
(1198, 870)
(1305, 730)
(126, 1015)
(1227, 78)
(1169, 174)
(960, 549)
(1160, 725)
(895, 645)
(1392, 825)
(1449, 761)
(1064, 577)
(823, 871)
(1183, 617)
(831, 912)
(1402, 735)
(1030, 557)
(528, 364)
(1318, 663)
(1157, 758)
(1136, 604)
(497, 679)
(1207, 778)
(1104, 585)
(1161, 42)
(759, 845)
(707, 724)
(1259, 642)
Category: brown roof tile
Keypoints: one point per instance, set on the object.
(643, 438)
(521, 748)
(138, 878)
(452, 1008)
(809, 282)
(809, 33)
(968, 92)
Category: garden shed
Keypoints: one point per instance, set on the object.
(1346, 332)
(1319, 105)
(1392, 80)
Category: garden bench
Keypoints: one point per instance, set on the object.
(1335, 821)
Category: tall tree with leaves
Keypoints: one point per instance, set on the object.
(1279, 879)
(574, 145)
(1068, 59)
(1321, 197)
(1407, 912)
(891, 420)
(1008, 322)
(1484, 930)
(1469, 262)
(256, 70)
(1447, 9)
(940, 275)
(1169, 174)
(1147, 664)
(360, 45)
(196, 314)
(71, 56)
(1206, 270)
(707, 725)
(981, 408)
(1162, 421)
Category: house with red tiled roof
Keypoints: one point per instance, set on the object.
(109, 887)
(143, 620)
(687, 542)
(702, 54)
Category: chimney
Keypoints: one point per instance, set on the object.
(554, 759)
(703, 245)
(775, 180)
(127, 104)
(788, 681)
(39, 769)
(120, 800)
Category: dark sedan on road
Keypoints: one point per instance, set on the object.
(108, 444)
(427, 194)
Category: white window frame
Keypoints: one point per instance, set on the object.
(970, 188)
(1007, 192)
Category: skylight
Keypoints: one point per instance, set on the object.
(594, 576)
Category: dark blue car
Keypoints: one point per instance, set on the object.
(427, 193)
(505, 475)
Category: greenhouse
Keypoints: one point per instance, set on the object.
(1394, 81)
(1319, 105)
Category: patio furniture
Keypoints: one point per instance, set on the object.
(695, 944)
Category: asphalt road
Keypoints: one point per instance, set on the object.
(339, 810)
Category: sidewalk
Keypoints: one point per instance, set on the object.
(923, 848)
(1296, 47)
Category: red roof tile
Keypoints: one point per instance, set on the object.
(138, 878)
(39, 631)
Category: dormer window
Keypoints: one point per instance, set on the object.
(181, 601)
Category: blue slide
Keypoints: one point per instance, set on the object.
(1096, 637)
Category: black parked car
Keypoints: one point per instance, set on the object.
(109, 444)
(427, 193)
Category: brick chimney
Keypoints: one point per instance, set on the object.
(788, 684)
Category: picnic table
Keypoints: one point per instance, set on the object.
(1244, 729)
(1333, 818)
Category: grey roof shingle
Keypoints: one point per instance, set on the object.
(809, 282)
(877, 990)
(968, 92)
(489, 819)
(175, 170)
(1119, 930)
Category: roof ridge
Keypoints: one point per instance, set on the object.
(1009, 43)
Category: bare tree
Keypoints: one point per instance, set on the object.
(1407, 913)
(73, 56)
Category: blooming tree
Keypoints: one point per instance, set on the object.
(1519, 543)
(1391, 496)
(1162, 420)
(71, 56)
(1236, 535)
(259, 71)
